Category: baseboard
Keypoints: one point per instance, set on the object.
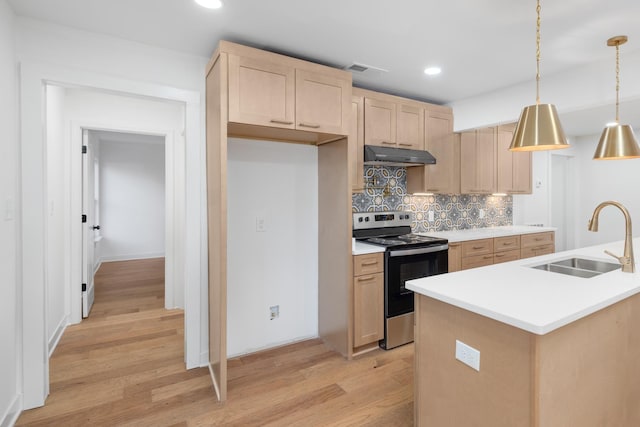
(271, 346)
(131, 257)
(97, 267)
(11, 415)
(57, 334)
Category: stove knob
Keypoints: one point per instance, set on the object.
(360, 219)
(366, 219)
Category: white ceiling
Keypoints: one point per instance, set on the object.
(480, 45)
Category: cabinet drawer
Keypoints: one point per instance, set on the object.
(477, 261)
(508, 243)
(477, 247)
(368, 264)
(537, 239)
(537, 250)
(506, 256)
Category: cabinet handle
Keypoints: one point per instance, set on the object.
(282, 122)
(309, 125)
(369, 263)
(487, 257)
(366, 279)
(539, 239)
(498, 255)
(388, 142)
(404, 144)
(478, 247)
(507, 244)
(539, 248)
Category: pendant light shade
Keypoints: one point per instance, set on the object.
(539, 126)
(538, 129)
(617, 141)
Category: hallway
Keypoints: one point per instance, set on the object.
(125, 363)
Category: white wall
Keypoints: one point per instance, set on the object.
(10, 325)
(77, 58)
(57, 290)
(132, 200)
(606, 180)
(277, 182)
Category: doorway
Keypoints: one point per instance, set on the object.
(125, 203)
(563, 201)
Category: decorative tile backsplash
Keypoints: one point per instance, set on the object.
(386, 190)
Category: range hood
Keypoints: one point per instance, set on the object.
(389, 156)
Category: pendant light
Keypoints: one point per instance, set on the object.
(617, 141)
(538, 127)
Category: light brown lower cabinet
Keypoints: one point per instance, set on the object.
(537, 244)
(478, 253)
(368, 301)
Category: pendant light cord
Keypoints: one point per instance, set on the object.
(538, 54)
(618, 83)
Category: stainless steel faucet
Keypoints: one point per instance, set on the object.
(627, 260)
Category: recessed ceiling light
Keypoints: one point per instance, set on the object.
(210, 4)
(432, 71)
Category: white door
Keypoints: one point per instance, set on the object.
(88, 224)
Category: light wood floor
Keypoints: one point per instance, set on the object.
(124, 367)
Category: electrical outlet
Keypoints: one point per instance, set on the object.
(274, 312)
(468, 355)
(430, 214)
(481, 213)
(261, 225)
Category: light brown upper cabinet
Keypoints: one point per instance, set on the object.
(410, 126)
(278, 94)
(444, 176)
(322, 103)
(356, 143)
(478, 161)
(393, 124)
(514, 167)
(380, 122)
(261, 92)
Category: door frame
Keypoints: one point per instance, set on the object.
(32, 336)
(174, 210)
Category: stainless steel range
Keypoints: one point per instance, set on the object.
(407, 256)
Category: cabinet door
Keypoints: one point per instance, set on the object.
(410, 127)
(513, 167)
(261, 93)
(486, 158)
(379, 122)
(468, 162)
(322, 103)
(443, 177)
(356, 143)
(368, 310)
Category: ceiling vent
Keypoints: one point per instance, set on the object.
(365, 69)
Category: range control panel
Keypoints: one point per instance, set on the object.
(381, 220)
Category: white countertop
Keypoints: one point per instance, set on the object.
(359, 248)
(487, 233)
(534, 300)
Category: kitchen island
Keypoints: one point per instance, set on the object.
(555, 349)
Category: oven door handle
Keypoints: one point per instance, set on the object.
(418, 251)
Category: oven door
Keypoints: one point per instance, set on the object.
(407, 264)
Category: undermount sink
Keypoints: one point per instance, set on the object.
(578, 267)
